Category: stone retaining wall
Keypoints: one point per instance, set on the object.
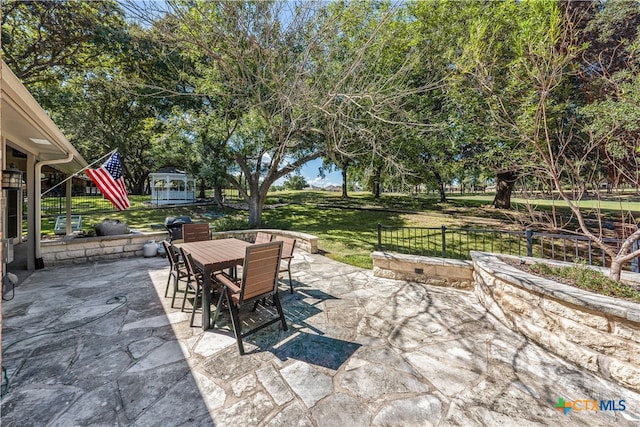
(306, 242)
(80, 250)
(434, 271)
(595, 332)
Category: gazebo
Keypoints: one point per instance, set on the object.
(170, 186)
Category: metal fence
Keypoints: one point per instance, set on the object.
(458, 242)
(55, 203)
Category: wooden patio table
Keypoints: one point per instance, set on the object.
(211, 256)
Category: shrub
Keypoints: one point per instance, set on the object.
(230, 223)
(588, 279)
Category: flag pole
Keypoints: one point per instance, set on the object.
(79, 172)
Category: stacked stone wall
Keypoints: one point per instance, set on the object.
(595, 332)
(80, 250)
(434, 271)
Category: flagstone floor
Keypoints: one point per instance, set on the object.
(98, 344)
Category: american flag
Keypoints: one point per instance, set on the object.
(110, 181)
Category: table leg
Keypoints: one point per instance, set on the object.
(206, 300)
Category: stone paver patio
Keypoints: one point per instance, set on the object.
(360, 351)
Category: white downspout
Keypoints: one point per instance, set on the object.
(38, 199)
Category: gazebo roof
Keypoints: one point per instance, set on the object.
(170, 169)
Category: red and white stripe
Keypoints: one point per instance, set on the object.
(112, 189)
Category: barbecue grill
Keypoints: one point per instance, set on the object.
(174, 226)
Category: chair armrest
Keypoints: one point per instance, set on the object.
(227, 281)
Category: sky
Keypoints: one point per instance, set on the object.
(310, 173)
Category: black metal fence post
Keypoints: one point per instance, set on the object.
(444, 241)
(379, 236)
(529, 234)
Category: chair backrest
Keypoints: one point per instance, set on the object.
(170, 250)
(195, 232)
(288, 244)
(260, 270)
(189, 265)
(262, 237)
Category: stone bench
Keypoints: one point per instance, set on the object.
(422, 269)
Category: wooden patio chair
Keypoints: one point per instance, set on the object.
(195, 232)
(288, 244)
(259, 280)
(178, 270)
(195, 283)
(262, 237)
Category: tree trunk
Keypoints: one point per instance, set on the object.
(376, 182)
(217, 195)
(344, 182)
(256, 203)
(441, 189)
(506, 182)
(615, 269)
(138, 186)
(202, 190)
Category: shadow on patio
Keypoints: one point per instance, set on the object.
(74, 359)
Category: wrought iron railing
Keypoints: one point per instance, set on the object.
(456, 243)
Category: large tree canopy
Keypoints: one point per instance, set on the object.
(42, 40)
(299, 79)
(540, 94)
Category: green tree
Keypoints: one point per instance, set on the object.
(196, 141)
(537, 104)
(270, 62)
(368, 120)
(250, 60)
(452, 114)
(295, 182)
(94, 74)
(44, 40)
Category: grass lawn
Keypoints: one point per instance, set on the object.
(346, 228)
(607, 203)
